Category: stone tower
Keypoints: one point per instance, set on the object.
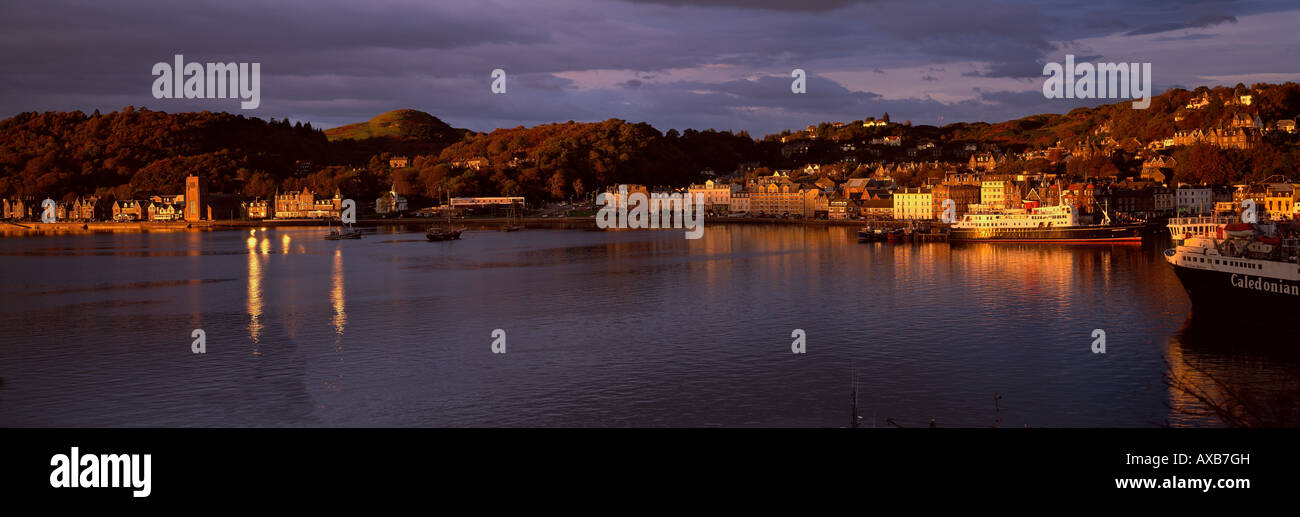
(196, 193)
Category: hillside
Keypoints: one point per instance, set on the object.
(399, 124)
(133, 152)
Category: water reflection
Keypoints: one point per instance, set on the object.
(336, 297)
(254, 300)
(703, 326)
(1231, 373)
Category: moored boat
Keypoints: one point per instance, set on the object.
(1234, 267)
(439, 234)
(1051, 224)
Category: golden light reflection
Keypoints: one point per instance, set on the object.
(254, 295)
(266, 246)
(336, 296)
(284, 244)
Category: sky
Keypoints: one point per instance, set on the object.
(721, 64)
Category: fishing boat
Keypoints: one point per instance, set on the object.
(437, 234)
(869, 234)
(512, 223)
(343, 232)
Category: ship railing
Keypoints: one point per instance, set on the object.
(1205, 219)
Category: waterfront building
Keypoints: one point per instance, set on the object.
(1256, 192)
(90, 208)
(739, 203)
(1134, 202)
(840, 208)
(997, 194)
(163, 212)
(303, 203)
(256, 209)
(962, 195)
(877, 208)
(1194, 199)
(717, 195)
(1279, 199)
(518, 201)
(614, 194)
(781, 196)
(399, 162)
(914, 204)
(19, 208)
(131, 210)
(391, 202)
(1162, 199)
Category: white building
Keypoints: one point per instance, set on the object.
(390, 202)
(915, 204)
(1194, 200)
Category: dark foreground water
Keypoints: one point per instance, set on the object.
(606, 329)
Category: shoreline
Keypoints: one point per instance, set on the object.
(27, 228)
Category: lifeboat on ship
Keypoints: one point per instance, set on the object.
(1240, 230)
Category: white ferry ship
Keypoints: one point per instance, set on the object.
(1040, 224)
(1235, 265)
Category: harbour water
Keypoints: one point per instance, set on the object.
(638, 328)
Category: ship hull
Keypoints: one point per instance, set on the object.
(1079, 235)
(1222, 291)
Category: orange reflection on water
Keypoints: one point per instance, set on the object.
(254, 304)
(336, 295)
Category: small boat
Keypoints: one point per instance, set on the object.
(346, 232)
(439, 234)
(869, 234)
(513, 224)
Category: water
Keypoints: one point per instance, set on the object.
(602, 329)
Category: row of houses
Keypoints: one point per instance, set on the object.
(974, 192)
(196, 204)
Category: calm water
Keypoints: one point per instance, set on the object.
(602, 329)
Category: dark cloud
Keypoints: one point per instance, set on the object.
(774, 5)
(1187, 37)
(332, 62)
(1200, 22)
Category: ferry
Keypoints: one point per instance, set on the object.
(1237, 266)
(1049, 224)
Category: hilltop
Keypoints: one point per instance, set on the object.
(402, 124)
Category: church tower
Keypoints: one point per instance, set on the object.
(196, 193)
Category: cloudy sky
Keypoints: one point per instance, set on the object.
(721, 64)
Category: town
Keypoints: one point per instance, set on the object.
(872, 169)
